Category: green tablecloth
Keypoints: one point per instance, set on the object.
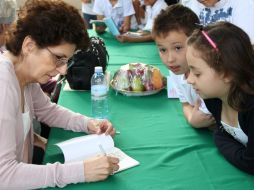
(172, 154)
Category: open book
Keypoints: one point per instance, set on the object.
(109, 22)
(81, 148)
(113, 28)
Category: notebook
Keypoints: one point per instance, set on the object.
(109, 22)
(81, 148)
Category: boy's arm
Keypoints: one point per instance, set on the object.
(86, 1)
(195, 117)
(126, 24)
(146, 37)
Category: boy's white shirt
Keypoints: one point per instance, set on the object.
(88, 8)
(186, 93)
(242, 13)
(121, 9)
(152, 12)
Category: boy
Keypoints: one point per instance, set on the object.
(233, 11)
(153, 8)
(87, 11)
(170, 31)
(120, 11)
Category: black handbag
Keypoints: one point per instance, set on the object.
(81, 71)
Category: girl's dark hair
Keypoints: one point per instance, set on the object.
(234, 59)
(175, 18)
(48, 22)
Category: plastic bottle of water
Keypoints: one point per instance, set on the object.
(99, 94)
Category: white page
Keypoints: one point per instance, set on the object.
(125, 160)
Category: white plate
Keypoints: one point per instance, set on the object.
(134, 93)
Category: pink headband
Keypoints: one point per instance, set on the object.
(211, 42)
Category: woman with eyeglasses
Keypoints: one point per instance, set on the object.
(39, 43)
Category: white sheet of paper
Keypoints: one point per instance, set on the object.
(81, 148)
(171, 89)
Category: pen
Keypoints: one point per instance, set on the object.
(104, 153)
(102, 150)
(60, 81)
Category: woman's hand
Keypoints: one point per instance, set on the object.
(40, 141)
(100, 167)
(96, 126)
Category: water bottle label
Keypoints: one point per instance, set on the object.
(99, 90)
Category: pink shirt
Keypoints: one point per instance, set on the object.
(16, 170)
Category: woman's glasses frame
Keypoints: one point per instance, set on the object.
(59, 61)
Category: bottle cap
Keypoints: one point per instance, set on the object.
(98, 69)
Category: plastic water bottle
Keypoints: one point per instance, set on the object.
(99, 94)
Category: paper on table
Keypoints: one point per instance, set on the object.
(133, 34)
(81, 148)
(68, 88)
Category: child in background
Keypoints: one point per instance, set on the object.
(170, 31)
(87, 11)
(221, 62)
(153, 8)
(7, 16)
(119, 10)
(139, 8)
(237, 12)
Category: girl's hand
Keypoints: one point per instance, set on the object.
(199, 119)
(96, 126)
(100, 167)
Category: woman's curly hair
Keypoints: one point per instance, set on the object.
(48, 23)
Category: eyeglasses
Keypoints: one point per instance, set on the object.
(59, 61)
